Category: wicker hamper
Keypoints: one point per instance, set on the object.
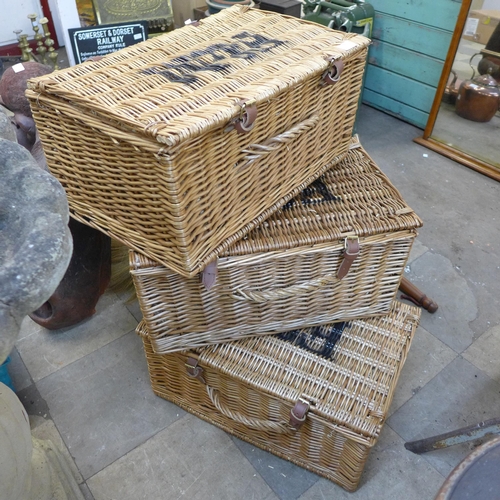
(284, 274)
(176, 146)
(336, 380)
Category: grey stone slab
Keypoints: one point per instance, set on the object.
(417, 250)
(427, 357)
(44, 351)
(439, 279)
(134, 309)
(189, 459)
(33, 402)
(459, 206)
(485, 353)
(18, 372)
(87, 494)
(45, 429)
(286, 479)
(103, 405)
(129, 298)
(458, 396)
(391, 473)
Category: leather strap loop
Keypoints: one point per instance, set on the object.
(193, 370)
(247, 118)
(209, 275)
(333, 73)
(298, 414)
(351, 252)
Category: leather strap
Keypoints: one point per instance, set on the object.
(298, 414)
(193, 370)
(247, 118)
(209, 275)
(333, 73)
(351, 252)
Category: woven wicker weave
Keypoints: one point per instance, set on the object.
(348, 372)
(144, 143)
(283, 274)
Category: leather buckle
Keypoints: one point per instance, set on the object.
(193, 370)
(209, 275)
(350, 254)
(298, 413)
(248, 114)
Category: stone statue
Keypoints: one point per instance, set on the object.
(89, 271)
(36, 248)
(34, 237)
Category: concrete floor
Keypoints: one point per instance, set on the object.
(87, 388)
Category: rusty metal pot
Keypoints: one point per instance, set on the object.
(86, 279)
(478, 99)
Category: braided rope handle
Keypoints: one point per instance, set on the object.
(256, 151)
(281, 293)
(254, 423)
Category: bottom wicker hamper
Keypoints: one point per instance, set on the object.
(317, 397)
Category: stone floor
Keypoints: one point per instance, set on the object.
(87, 388)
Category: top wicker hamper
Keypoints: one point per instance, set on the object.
(179, 145)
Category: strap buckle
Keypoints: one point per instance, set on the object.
(298, 413)
(248, 114)
(350, 254)
(194, 370)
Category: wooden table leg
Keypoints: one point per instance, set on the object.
(414, 294)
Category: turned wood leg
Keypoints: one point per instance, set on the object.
(414, 294)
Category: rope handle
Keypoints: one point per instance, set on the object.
(281, 293)
(257, 151)
(297, 416)
(350, 254)
(238, 2)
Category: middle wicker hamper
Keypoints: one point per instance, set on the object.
(335, 252)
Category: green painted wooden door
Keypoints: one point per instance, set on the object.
(410, 42)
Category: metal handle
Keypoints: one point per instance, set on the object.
(256, 151)
(470, 63)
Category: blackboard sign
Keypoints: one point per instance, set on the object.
(101, 40)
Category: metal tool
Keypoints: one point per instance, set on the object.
(458, 436)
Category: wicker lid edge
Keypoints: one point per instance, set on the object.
(54, 84)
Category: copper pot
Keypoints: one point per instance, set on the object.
(451, 90)
(478, 99)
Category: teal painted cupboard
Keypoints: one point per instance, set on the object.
(410, 40)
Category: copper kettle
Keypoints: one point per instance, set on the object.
(478, 99)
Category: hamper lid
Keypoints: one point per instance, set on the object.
(353, 198)
(347, 371)
(199, 77)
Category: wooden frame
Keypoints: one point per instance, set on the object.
(426, 140)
